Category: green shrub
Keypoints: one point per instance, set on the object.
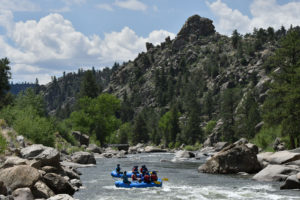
(266, 137)
(209, 127)
(2, 143)
(190, 148)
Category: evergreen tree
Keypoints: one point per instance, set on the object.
(140, 131)
(89, 87)
(4, 80)
(235, 39)
(283, 103)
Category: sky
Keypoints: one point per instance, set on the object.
(44, 38)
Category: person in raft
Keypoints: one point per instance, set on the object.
(143, 169)
(135, 169)
(147, 178)
(153, 176)
(134, 177)
(125, 179)
(118, 169)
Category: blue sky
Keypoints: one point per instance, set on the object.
(45, 38)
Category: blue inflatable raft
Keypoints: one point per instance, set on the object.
(136, 184)
(115, 174)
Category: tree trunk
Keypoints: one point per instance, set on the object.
(292, 140)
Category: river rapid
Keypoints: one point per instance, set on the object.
(184, 182)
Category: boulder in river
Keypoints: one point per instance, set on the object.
(276, 173)
(94, 149)
(58, 184)
(41, 190)
(47, 155)
(292, 182)
(82, 157)
(152, 149)
(61, 197)
(22, 194)
(280, 157)
(19, 176)
(233, 159)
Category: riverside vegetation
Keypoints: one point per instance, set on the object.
(199, 88)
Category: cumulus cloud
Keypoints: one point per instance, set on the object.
(264, 13)
(51, 45)
(105, 6)
(131, 5)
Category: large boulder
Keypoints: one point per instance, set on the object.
(83, 139)
(152, 149)
(280, 157)
(58, 184)
(221, 145)
(276, 173)
(233, 159)
(47, 155)
(136, 149)
(41, 190)
(94, 148)
(292, 182)
(184, 154)
(61, 197)
(22, 194)
(82, 157)
(19, 176)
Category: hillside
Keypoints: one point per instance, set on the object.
(206, 76)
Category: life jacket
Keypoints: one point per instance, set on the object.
(135, 169)
(153, 177)
(147, 178)
(133, 177)
(141, 170)
(118, 169)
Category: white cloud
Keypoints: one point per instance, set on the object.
(264, 13)
(18, 5)
(105, 6)
(51, 45)
(131, 5)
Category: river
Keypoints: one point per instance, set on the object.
(184, 182)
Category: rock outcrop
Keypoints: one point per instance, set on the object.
(276, 173)
(47, 155)
(83, 139)
(152, 149)
(233, 159)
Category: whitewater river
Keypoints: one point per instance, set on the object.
(184, 182)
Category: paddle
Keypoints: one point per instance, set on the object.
(165, 179)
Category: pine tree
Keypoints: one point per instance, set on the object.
(4, 79)
(283, 103)
(89, 87)
(140, 131)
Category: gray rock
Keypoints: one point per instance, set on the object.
(280, 157)
(82, 157)
(12, 161)
(152, 149)
(20, 139)
(94, 148)
(215, 136)
(233, 159)
(2, 197)
(276, 173)
(220, 145)
(70, 172)
(47, 155)
(58, 184)
(83, 139)
(41, 190)
(19, 176)
(184, 154)
(76, 182)
(278, 145)
(61, 197)
(292, 182)
(22, 194)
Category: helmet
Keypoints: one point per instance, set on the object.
(125, 172)
(143, 166)
(154, 172)
(118, 165)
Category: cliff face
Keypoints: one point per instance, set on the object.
(198, 57)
